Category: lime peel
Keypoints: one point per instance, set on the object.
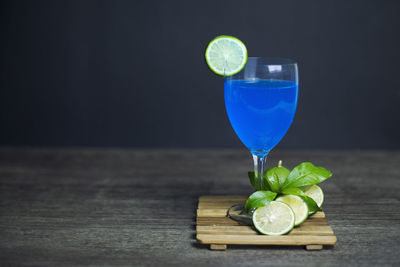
(226, 55)
(315, 192)
(276, 218)
(298, 206)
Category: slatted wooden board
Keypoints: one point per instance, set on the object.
(215, 228)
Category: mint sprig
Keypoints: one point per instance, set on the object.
(280, 181)
(259, 199)
(306, 174)
(275, 177)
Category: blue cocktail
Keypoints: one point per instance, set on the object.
(260, 111)
(261, 102)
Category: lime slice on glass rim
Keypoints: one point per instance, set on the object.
(298, 206)
(315, 192)
(276, 218)
(226, 55)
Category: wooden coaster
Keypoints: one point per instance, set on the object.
(215, 228)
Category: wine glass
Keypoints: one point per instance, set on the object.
(261, 101)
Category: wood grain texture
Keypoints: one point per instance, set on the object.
(314, 247)
(217, 247)
(288, 240)
(247, 230)
(68, 207)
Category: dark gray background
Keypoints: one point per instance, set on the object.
(132, 73)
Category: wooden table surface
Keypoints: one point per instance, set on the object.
(137, 207)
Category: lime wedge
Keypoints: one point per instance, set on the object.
(315, 192)
(276, 218)
(226, 55)
(299, 207)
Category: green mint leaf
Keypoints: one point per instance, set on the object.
(312, 205)
(259, 199)
(293, 191)
(275, 178)
(283, 174)
(306, 174)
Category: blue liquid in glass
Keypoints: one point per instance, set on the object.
(260, 111)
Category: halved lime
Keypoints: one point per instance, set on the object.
(298, 205)
(276, 218)
(315, 192)
(226, 55)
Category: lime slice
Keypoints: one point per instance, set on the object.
(315, 192)
(226, 55)
(299, 207)
(276, 218)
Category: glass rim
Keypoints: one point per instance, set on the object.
(272, 61)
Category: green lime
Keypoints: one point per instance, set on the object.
(226, 55)
(298, 205)
(276, 218)
(315, 192)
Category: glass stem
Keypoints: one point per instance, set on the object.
(259, 162)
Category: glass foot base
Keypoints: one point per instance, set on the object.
(237, 213)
